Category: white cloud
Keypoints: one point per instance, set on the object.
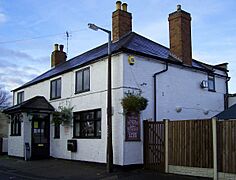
(3, 18)
(17, 68)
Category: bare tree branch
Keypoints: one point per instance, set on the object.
(4, 97)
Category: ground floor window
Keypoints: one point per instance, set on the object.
(87, 124)
(15, 125)
(57, 131)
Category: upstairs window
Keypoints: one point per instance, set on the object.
(55, 89)
(82, 83)
(211, 83)
(20, 97)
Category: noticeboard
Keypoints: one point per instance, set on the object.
(132, 127)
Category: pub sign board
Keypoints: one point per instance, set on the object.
(132, 126)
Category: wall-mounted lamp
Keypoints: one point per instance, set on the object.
(30, 117)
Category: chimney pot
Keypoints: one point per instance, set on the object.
(178, 7)
(124, 7)
(61, 47)
(118, 5)
(55, 47)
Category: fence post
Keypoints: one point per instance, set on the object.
(214, 131)
(145, 143)
(166, 145)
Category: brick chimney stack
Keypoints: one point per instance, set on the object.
(180, 35)
(58, 56)
(121, 21)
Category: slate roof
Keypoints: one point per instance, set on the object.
(37, 103)
(132, 42)
(229, 113)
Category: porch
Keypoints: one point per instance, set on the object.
(29, 128)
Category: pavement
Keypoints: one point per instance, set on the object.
(51, 169)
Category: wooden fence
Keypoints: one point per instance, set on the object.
(226, 146)
(190, 144)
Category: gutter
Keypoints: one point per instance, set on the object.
(172, 62)
(155, 93)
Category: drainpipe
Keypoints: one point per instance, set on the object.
(155, 93)
(13, 101)
(227, 91)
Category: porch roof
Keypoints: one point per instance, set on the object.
(35, 104)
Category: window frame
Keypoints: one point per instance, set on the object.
(20, 97)
(15, 125)
(211, 77)
(56, 86)
(76, 80)
(57, 131)
(82, 120)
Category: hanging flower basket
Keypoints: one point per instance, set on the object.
(62, 116)
(134, 103)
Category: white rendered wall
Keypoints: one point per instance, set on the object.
(91, 149)
(134, 77)
(177, 87)
(181, 88)
(88, 149)
(16, 143)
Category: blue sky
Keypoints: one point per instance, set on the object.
(213, 31)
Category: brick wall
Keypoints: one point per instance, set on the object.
(121, 24)
(58, 56)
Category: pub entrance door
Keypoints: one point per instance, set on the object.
(40, 137)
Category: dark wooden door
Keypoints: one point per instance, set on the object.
(154, 146)
(40, 138)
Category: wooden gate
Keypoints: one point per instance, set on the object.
(154, 145)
